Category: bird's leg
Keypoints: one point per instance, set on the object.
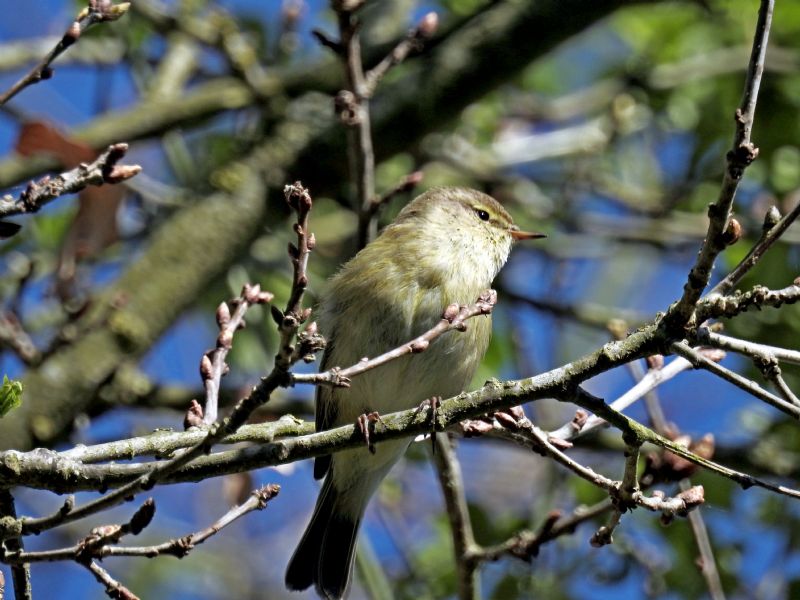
(431, 404)
(363, 424)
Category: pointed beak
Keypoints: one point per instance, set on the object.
(525, 235)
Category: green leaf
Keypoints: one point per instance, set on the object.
(10, 395)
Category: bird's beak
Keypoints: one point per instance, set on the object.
(525, 235)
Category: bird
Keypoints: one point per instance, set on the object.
(445, 247)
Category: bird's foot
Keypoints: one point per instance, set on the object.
(363, 424)
(510, 417)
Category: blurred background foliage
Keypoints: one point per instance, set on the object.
(608, 132)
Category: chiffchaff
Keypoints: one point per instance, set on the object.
(445, 247)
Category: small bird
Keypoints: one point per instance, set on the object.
(445, 247)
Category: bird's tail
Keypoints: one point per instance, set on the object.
(325, 554)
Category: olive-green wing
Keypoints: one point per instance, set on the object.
(325, 415)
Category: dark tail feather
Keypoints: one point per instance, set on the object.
(302, 569)
(335, 569)
(325, 554)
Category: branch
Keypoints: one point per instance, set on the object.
(104, 169)
(20, 573)
(717, 340)
(464, 545)
(413, 42)
(14, 336)
(708, 564)
(299, 200)
(289, 321)
(650, 381)
(213, 366)
(98, 11)
(453, 317)
(771, 232)
(406, 184)
(38, 469)
(178, 547)
(352, 107)
(700, 361)
(625, 494)
(738, 158)
(114, 589)
(716, 306)
(352, 103)
(526, 544)
(166, 443)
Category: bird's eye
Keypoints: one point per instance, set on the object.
(482, 214)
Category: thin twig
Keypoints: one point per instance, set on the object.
(114, 589)
(626, 492)
(649, 382)
(738, 158)
(658, 421)
(453, 318)
(299, 200)
(624, 500)
(772, 231)
(464, 546)
(406, 184)
(352, 103)
(715, 306)
(97, 12)
(526, 544)
(708, 564)
(14, 336)
(104, 169)
(725, 342)
(178, 547)
(769, 367)
(258, 500)
(20, 573)
(700, 361)
(213, 366)
(289, 321)
(413, 42)
(352, 106)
